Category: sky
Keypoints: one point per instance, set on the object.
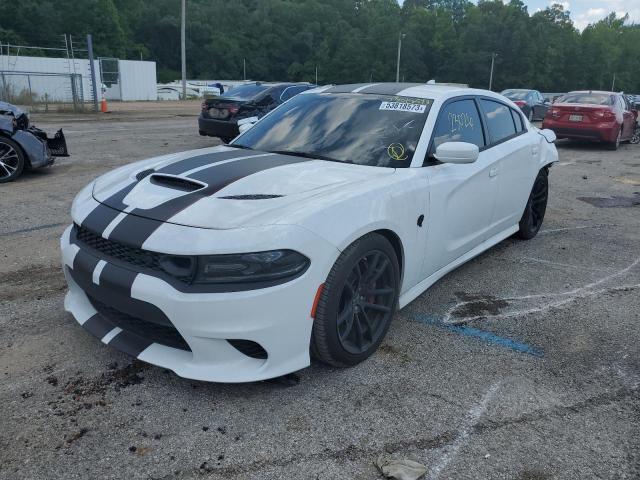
(584, 12)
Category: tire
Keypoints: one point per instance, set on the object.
(536, 207)
(635, 138)
(12, 160)
(348, 293)
(616, 144)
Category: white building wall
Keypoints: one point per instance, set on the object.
(56, 88)
(138, 80)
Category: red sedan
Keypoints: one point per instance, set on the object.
(591, 115)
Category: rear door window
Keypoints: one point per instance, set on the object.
(500, 122)
(459, 121)
(517, 119)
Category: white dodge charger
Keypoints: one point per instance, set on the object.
(303, 236)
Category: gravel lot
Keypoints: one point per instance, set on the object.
(535, 375)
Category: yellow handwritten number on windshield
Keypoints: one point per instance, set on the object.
(396, 151)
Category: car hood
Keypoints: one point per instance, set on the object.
(223, 187)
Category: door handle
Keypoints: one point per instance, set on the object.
(493, 172)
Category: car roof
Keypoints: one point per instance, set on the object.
(603, 92)
(418, 90)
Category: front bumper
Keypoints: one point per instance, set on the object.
(104, 296)
(217, 128)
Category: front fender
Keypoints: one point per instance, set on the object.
(394, 206)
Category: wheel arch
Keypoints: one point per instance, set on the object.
(396, 243)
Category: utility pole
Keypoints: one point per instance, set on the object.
(493, 58)
(244, 68)
(93, 71)
(400, 37)
(613, 84)
(316, 75)
(183, 50)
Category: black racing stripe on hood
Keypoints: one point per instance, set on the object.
(345, 88)
(137, 227)
(182, 166)
(103, 215)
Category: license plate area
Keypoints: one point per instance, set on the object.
(575, 118)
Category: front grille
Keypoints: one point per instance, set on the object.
(162, 334)
(131, 255)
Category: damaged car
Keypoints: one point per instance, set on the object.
(303, 236)
(24, 146)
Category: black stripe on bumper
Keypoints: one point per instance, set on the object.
(130, 343)
(98, 326)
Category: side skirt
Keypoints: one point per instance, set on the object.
(421, 287)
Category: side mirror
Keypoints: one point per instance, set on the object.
(457, 152)
(549, 135)
(246, 123)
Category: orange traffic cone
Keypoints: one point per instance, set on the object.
(103, 105)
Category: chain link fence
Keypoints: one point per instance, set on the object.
(44, 92)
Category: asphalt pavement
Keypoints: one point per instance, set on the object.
(522, 364)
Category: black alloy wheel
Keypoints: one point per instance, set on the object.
(357, 303)
(536, 207)
(11, 160)
(367, 297)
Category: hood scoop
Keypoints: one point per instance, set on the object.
(256, 196)
(176, 183)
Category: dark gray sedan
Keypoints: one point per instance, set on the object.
(531, 102)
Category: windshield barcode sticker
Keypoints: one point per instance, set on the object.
(403, 107)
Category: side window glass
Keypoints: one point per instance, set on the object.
(499, 120)
(517, 118)
(459, 122)
(287, 94)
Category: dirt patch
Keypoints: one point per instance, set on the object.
(613, 201)
(33, 282)
(478, 305)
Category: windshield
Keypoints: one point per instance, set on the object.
(516, 94)
(244, 92)
(375, 130)
(587, 97)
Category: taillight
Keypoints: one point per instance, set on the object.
(555, 113)
(605, 114)
(233, 110)
(520, 103)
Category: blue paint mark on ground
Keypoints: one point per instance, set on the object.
(483, 335)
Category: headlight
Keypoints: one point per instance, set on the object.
(250, 267)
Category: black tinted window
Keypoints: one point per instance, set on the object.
(459, 122)
(375, 130)
(499, 120)
(292, 92)
(244, 92)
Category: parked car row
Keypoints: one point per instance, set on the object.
(607, 117)
(600, 116)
